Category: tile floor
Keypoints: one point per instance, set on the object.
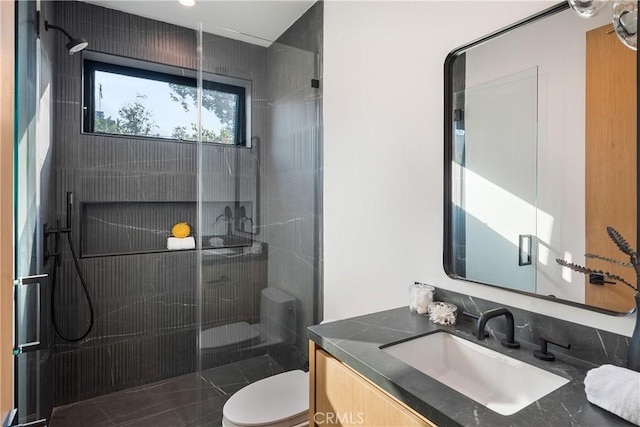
(190, 400)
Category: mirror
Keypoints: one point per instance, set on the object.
(540, 157)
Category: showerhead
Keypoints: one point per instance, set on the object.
(75, 44)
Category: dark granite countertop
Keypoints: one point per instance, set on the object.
(356, 342)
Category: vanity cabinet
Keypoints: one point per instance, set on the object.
(338, 395)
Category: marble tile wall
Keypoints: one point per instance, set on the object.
(129, 227)
(589, 344)
(190, 400)
(145, 305)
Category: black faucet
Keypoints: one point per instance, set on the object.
(229, 216)
(510, 341)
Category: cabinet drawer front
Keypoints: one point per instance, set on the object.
(343, 397)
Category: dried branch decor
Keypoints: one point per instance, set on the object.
(624, 247)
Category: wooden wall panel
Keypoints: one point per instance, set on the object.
(7, 25)
(611, 157)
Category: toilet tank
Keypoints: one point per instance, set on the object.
(278, 315)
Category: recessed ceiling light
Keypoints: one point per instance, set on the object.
(187, 2)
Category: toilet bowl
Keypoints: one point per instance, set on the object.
(277, 326)
(278, 401)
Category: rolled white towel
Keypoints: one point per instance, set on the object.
(615, 389)
(175, 243)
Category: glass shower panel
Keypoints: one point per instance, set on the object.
(499, 139)
(259, 204)
(129, 191)
(234, 258)
(33, 374)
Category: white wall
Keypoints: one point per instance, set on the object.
(383, 152)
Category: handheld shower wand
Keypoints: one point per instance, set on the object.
(57, 232)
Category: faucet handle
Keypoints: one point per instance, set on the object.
(545, 355)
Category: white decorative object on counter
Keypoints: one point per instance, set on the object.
(443, 313)
(420, 297)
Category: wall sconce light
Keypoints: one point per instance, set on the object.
(625, 17)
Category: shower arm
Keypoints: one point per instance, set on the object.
(55, 27)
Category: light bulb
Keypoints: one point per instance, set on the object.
(625, 22)
(587, 8)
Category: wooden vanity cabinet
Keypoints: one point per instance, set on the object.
(338, 395)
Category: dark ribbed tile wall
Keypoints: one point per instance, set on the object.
(121, 227)
(146, 305)
(111, 228)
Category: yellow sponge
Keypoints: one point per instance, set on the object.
(181, 230)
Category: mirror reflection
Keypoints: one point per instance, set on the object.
(541, 158)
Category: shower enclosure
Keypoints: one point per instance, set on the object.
(153, 125)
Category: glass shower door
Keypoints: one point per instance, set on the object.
(259, 203)
(499, 172)
(33, 380)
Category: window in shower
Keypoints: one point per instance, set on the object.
(125, 100)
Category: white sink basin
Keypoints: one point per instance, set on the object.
(501, 383)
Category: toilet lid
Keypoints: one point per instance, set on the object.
(269, 401)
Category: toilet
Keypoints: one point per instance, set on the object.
(281, 400)
(277, 326)
(278, 401)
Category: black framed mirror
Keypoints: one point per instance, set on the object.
(541, 154)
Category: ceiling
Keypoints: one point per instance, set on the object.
(253, 21)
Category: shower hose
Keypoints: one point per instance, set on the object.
(54, 319)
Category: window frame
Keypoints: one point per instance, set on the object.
(91, 65)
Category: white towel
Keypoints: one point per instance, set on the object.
(175, 243)
(615, 389)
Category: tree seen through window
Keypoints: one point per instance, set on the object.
(131, 105)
